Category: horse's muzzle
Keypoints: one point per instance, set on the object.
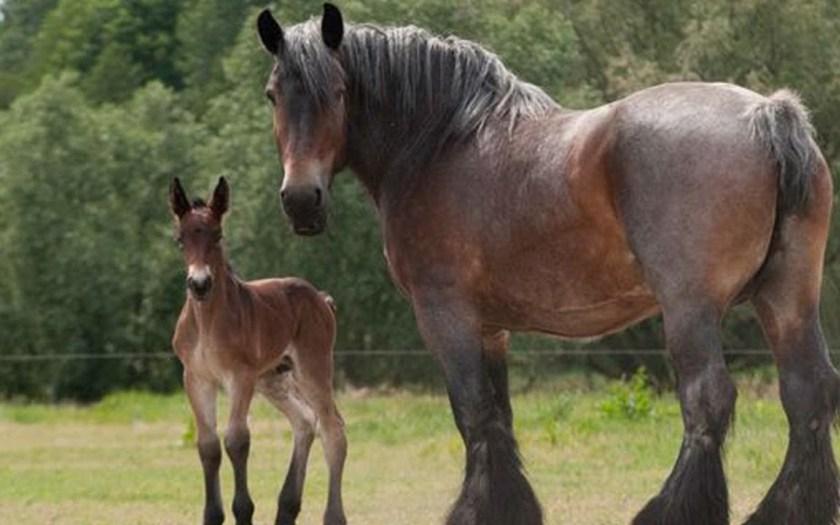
(305, 208)
(199, 288)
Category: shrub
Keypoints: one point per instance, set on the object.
(630, 399)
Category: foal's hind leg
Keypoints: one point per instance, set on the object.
(495, 490)
(282, 393)
(806, 491)
(331, 432)
(695, 492)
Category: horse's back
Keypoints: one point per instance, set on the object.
(289, 290)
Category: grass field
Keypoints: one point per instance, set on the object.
(126, 460)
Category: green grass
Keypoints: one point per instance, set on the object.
(124, 460)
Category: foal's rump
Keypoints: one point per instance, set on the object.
(297, 326)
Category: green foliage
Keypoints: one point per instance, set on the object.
(553, 416)
(630, 399)
(84, 254)
(118, 46)
(188, 437)
(205, 31)
(102, 102)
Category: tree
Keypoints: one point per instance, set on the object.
(90, 266)
(117, 46)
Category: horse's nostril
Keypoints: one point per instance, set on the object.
(199, 287)
(318, 196)
(283, 194)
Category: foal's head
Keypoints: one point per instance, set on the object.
(307, 92)
(199, 234)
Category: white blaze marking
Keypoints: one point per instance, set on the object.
(199, 273)
(314, 171)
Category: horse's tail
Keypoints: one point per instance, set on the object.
(782, 124)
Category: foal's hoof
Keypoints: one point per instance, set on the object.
(213, 516)
(285, 519)
(336, 520)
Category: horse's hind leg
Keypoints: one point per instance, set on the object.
(695, 492)
(806, 491)
(281, 391)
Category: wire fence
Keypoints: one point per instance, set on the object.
(380, 353)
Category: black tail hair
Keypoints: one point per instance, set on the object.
(782, 124)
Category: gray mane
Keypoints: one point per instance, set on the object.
(438, 90)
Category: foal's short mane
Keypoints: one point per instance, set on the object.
(439, 90)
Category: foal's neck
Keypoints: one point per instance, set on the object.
(222, 295)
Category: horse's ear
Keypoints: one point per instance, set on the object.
(332, 26)
(220, 199)
(178, 201)
(271, 34)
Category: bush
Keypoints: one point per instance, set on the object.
(630, 399)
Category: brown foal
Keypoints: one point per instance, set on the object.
(273, 336)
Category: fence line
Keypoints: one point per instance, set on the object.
(340, 354)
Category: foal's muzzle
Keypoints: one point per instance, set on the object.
(199, 288)
(304, 205)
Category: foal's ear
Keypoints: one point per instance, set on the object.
(220, 199)
(332, 26)
(271, 34)
(178, 201)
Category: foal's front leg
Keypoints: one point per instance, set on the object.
(238, 444)
(202, 396)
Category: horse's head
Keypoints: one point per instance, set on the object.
(199, 234)
(307, 93)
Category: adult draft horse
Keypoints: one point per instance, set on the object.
(502, 211)
(273, 336)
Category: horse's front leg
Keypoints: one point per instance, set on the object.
(238, 444)
(495, 363)
(494, 491)
(202, 396)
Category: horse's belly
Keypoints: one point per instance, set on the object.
(574, 294)
(578, 320)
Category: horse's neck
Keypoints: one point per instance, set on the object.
(375, 158)
(367, 156)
